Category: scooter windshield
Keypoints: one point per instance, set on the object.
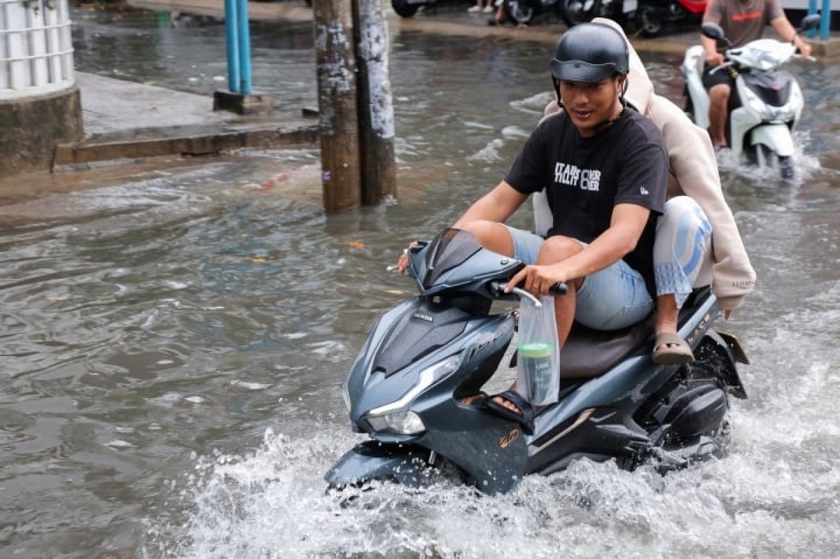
(447, 251)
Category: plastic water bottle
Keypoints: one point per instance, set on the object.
(536, 360)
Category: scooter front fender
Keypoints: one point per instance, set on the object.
(777, 137)
(368, 461)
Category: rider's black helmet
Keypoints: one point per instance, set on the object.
(589, 53)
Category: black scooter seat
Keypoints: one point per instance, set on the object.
(589, 353)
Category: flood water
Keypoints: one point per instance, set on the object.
(174, 334)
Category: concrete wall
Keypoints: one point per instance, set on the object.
(39, 102)
(31, 128)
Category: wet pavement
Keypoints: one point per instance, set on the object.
(124, 119)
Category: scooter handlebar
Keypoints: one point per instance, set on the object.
(558, 288)
(721, 67)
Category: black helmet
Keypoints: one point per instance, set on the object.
(589, 53)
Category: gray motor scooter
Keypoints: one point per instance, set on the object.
(416, 387)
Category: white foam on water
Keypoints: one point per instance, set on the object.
(274, 503)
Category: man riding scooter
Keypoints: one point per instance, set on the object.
(742, 21)
(604, 169)
(694, 181)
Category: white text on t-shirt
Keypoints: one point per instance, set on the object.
(586, 179)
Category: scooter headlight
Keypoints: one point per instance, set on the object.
(402, 422)
(396, 417)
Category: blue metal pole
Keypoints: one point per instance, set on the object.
(825, 20)
(231, 29)
(244, 47)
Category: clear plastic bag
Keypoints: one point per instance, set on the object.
(538, 354)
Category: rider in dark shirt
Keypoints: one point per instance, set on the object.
(605, 169)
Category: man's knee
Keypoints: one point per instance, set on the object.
(683, 213)
(719, 93)
(558, 248)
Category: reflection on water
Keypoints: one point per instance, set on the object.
(174, 341)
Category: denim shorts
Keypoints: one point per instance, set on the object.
(614, 298)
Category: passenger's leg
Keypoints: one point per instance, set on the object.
(682, 251)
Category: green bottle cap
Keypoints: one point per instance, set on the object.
(536, 349)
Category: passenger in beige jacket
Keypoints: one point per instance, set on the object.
(695, 195)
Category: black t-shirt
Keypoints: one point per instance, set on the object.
(584, 178)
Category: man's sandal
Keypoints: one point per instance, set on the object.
(524, 416)
(671, 349)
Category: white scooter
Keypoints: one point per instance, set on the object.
(769, 100)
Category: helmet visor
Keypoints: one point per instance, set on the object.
(580, 71)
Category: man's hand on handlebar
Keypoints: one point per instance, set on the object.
(715, 60)
(402, 262)
(803, 47)
(538, 279)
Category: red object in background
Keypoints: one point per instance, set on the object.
(692, 6)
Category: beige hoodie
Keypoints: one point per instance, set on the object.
(693, 172)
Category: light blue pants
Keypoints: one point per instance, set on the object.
(610, 299)
(682, 252)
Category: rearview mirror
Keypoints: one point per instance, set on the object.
(810, 22)
(713, 31)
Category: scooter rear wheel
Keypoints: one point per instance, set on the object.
(574, 12)
(519, 11)
(649, 21)
(403, 8)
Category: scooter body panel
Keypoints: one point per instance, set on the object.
(776, 137)
(741, 121)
